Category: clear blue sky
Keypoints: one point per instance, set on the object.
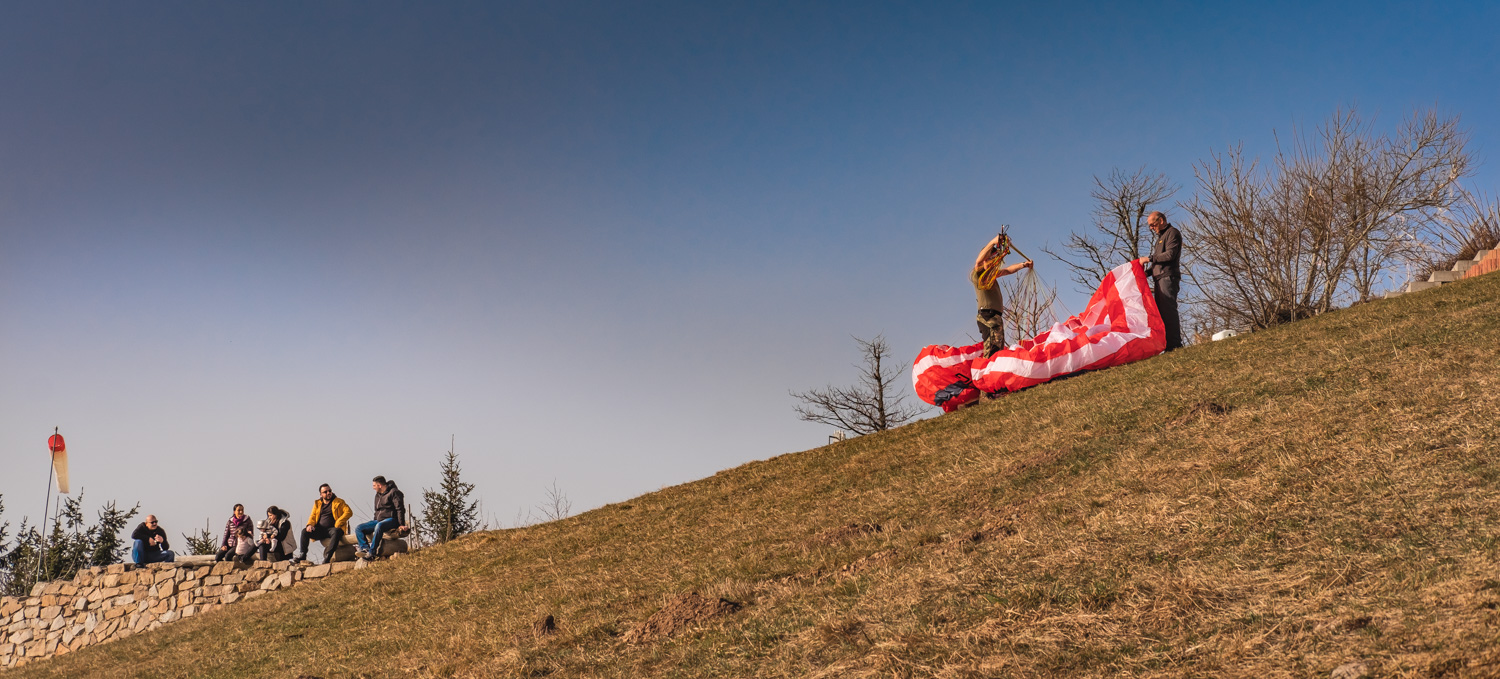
(246, 248)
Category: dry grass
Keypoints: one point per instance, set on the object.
(1271, 506)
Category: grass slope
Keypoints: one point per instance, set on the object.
(1275, 505)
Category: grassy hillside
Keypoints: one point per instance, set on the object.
(1274, 505)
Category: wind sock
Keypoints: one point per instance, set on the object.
(59, 460)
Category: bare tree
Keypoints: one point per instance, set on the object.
(1120, 234)
(1028, 305)
(556, 506)
(873, 404)
(1327, 220)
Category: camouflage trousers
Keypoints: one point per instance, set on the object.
(992, 330)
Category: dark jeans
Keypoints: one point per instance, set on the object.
(322, 533)
(1166, 304)
(142, 556)
(379, 528)
(272, 552)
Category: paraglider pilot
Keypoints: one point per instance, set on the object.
(987, 270)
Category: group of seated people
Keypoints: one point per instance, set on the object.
(329, 521)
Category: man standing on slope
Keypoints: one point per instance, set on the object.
(984, 276)
(1162, 266)
(329, 521)
(390, 514)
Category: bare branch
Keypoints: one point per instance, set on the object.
(874, 404)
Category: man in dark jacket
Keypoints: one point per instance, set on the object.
(390, 513)
(150, 543)
(1162, 266)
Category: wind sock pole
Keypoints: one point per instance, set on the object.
(47, 508)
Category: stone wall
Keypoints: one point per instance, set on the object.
(1489, 263)
(114, 602)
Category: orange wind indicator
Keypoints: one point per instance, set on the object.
(59, 460)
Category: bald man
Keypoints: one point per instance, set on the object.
(150, 543)
(1162, 266)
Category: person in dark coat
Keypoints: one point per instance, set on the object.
(150, 543)
(390, 513)
(1162, 265)
(276, 540)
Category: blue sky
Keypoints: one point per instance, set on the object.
(247, 249)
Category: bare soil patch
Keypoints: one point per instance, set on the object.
(680, 613)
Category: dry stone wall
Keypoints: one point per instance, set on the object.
(115, 602)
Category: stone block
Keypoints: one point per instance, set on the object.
(114, 613)
(188, 611)
(128, 578)
(9, 606)
(81, 604)
(202, 571)
(286, 579)
(184, 598)
(166, 589)
(66, 589)
(254, 593)
(91, 624)
(341, 566)
(38, 588)
(83, 578)
(234, 578)
(231, 597)
(111, 580)
(33, 612)
(58, 623)
(161, 606)
(1418, 286)
(212, 580)
(21, 637)
(49, 600)
(247, 586)
(167, 575)
(51, 612)
(222, 568)
(316, 571)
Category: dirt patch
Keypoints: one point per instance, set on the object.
(844, 533)
(1203, 409)
(875, 560)
(1037, 460)
(680, 613)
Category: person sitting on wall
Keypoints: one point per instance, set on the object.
(329, 521)
(231, 540)
(244, 545)
(390, 513)
(150, 543)
(276, 541)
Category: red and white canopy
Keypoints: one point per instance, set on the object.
(1120, 325)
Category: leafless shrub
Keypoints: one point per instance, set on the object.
(1472, 225)
(1028, 305)
(873, 404)
(556, 506)
(1121, 203)
(1329, 219)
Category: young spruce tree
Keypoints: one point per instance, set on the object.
(447, 512)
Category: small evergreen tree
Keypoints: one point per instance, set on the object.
(71, 545)
(447, 512)
(202, 542)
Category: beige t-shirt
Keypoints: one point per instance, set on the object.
(988, 298)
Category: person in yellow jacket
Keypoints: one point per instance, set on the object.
(329, 519)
